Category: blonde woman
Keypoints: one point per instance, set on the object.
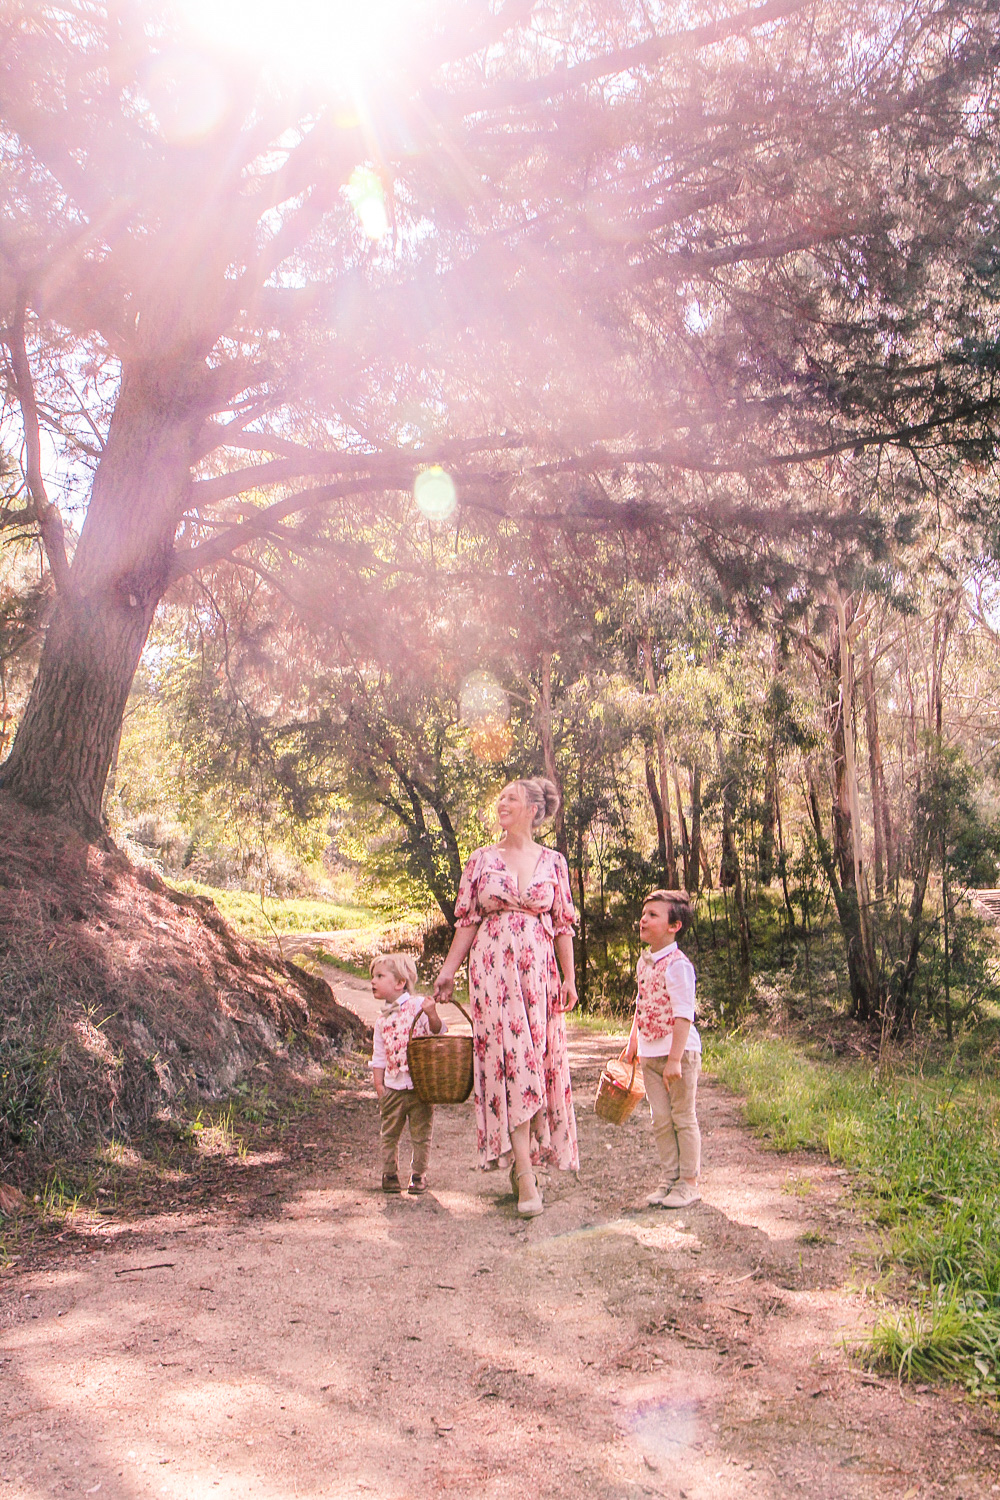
(514, 920)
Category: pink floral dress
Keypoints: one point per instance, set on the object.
(521, 1061)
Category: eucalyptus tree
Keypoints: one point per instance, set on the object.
(613, 266)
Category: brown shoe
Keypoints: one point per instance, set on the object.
(390, 1183)
(418, 1184)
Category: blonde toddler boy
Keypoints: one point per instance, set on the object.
(394, 979)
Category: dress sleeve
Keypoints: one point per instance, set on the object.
(563, 910)
(467, 909)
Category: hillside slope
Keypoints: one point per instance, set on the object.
(122, 1000)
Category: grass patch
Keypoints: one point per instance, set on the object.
(925, 1144)
(262, 918)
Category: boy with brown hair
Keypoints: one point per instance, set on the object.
(668, 1045)
(394, 979)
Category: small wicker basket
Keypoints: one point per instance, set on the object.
(441, 1066)
(619, 1091)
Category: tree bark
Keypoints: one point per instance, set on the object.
(765, 845)
(853, 907)
(657, 801)
(548, 751)
(683, 830)
(881, 826)
(62, 752)
(699, 861)
(731, 866)
(669, 858)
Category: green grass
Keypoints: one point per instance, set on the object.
(262, 918)
(925, 1145)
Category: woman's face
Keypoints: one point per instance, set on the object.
(514, 814)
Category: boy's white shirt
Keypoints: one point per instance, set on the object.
(401, 1079)
(682, 985)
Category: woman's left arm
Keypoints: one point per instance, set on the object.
(563, 944)
(563, 922)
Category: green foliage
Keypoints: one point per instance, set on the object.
(262, 918)
(925, 1146)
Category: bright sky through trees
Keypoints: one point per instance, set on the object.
(341, 41)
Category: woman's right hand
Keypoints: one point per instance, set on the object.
(444, 986)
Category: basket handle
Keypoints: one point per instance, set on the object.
(458, 1006)
(621, 1058)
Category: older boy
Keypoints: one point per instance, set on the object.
(669, 1048)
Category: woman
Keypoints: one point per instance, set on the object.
(514, 918)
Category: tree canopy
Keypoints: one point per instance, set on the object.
(701, 274)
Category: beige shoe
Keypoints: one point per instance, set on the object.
(659, 1198)
(529, 1208)
(682, 1196)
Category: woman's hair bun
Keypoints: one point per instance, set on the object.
(550, 794)
(541, 796)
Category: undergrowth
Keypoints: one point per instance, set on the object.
(925, 1144)
(258, 917)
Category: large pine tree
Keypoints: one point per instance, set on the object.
(631, 263)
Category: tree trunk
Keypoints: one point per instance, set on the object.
(699, 861)
(581, 946)
(882, 831)
(731, 866)
(62, 752)
(657, 801)
(853, 908)
(548, 751)
(783, 861)
(669, 858)
(682, 828)
(765, 844)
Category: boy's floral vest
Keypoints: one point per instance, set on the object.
(396, 1031)
(653, 1005)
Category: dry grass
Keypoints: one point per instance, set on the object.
(122, 1000)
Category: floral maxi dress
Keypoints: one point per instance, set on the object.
(521, 1066)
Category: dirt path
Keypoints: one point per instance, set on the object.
(353, 1345)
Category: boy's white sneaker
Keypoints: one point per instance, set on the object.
(659, 1198)
(683, 1195)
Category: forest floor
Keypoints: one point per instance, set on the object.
(301, 1335)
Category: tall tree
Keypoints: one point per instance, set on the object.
(630, 264)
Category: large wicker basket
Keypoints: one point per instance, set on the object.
(619, 1091)
(441, 1066)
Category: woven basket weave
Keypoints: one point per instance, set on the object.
(441, 1066)
(618, 1092)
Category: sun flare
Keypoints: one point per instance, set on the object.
(340, 41)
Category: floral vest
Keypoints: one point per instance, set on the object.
(396, 1031)
(653, 1005)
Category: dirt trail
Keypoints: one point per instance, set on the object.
(354, 1345)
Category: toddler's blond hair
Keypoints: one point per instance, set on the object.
(400, 966)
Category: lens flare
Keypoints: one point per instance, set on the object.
(367, 197)
(492, 743)
(435, 494)
(484, 708)
(481, 701)
(339, 45)
(188, 94)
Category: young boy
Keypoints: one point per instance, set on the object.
(394, 978)
(664, 1035)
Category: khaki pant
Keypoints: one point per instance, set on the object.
(396, 1107)
(675, 1123)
